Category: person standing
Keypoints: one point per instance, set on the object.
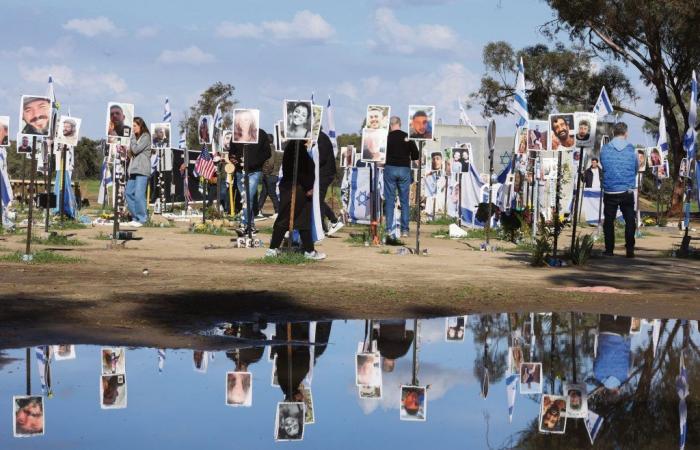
(303, 201)
(326, 174)
(249, 158)
(270, 170)
(620, 165)
(593, 176)
(139, 172)
(397, 174)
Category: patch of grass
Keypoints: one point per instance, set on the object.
(41, 257)
(357, 239)
(525, 246)
(288, 259)
(385, 251)
(441, 233)
(208, 228)
(68, 225)
(11, 231)
(444, 220)
(265, 230)
(102, 236)
(56, 239)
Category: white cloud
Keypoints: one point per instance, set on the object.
(189, 55)
(148, 32)
(22, 52)
(304, 26)
(91, 27)
(236, 30)
(393, 36)
(87, 82)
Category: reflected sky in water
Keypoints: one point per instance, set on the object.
(184, 406)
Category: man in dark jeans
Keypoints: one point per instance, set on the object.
(620, 165)
(397, 176)
(270, 170)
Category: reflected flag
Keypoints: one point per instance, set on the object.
(330, 118)
(593, 423)
(50, 93)
(603, 106)
(662, 143)
(167, 116)
(655, 333)
(511, 383)
(161, 359)
(532, 336)
(690, 138)
(204, 165)
(463, 117)
(519, 98)
(43, 359)
(682, 390)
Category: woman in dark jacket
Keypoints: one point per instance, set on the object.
(303, 200)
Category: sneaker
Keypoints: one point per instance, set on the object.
(259, 216)
(316, 256)
(134, 224)
(272, 253)
(335, 227)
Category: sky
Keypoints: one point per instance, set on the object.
(395, 52)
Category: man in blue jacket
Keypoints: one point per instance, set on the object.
(619, 161)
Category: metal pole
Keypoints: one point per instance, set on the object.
(48, 149)
(62, 201)
(414, 371)
(294, 193)
(31, 199)
(24, 179)
(576, 196)
(248, 198)
(557, 225)
(420, 176)
(488, 219)
(573, 347)
(28, 371)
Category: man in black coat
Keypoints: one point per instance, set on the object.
(249, 158)
(326, 173)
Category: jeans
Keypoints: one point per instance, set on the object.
(136, 197)
(253, 180)
(625, 202)
(269, 189)
(396, 177)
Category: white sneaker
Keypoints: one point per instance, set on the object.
(335, 227)
(134, 223)
(259, 216)
(272, 253)
(316, 256)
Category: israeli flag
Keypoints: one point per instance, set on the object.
(167, 116)
(682, 390)
(593, 423)
(358, 186)
(43, 358)
(520, 100)
(690, 138)
(663, 137)
(5, 186)
(463, 117)
(218, 117)
(161, 359)
(511, 383)
(330, 118)
(182, 143)
(316, 219)
(603, 106)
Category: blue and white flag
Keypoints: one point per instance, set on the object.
(155, 161)
(593, 423)
(330, 118)
(471, 197)
(463, 117)
(316, 217)
(682, 390)
(161, 359)
(182, 143)
(43, 360)
(511, 383)
(356, 186)
(519, 98)
(662, 143)
(167, 116)
(603, 106)
(690, 138)
(5, 186)
(218, 117)
(69, 203)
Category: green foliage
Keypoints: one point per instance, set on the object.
(285, 258)
(542, 247)
(581, 251)
(442, 220)
(554, 76)
(56, 239)
(441, 233)
(67, 225)
(41, 257)
(208, 228)
(102, 236)
(350, 139)
(217, 94)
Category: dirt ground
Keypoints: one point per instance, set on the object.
(107, 298)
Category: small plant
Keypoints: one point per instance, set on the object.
(56, 239)
(441, 233)
(208, 228)
(285, 258)
(40, 257)
(68, 225)
(581, 251)
(102, 236)
(542, 247)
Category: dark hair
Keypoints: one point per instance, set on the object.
(434, 154)
(594, 159)
(420, 113)
(584, 122)
(619, 129)
(142, 125)
(305, 105)
(22, 402)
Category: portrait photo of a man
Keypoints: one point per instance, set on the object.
(562, 126)
(160, 135)
(35, 115)
(24, 143)
(205, 129)
(420, 120)
(120, 117)
(68, 130)
(585, 124)
(378, 116)
(4, 131)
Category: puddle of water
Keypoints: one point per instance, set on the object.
(473, 382)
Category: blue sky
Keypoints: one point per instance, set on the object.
(395, 52)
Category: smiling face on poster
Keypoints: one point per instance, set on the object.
(205, 129)
(246, 126)
(28, 412)
(35, 115)
(585, 124)
(641, 160)
(656, 157)
(316, 127)
(160, 135)
(562, 136)
(120, 119)
(298, 119)
(68, 130)
(4, 131)
(538, 135)
(374, 145)
(289, 421)
(377, 117)
(420, 122)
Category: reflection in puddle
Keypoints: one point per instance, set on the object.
(479, 381)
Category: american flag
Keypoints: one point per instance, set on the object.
(204, 166)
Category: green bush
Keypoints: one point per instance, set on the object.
(581, 251)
